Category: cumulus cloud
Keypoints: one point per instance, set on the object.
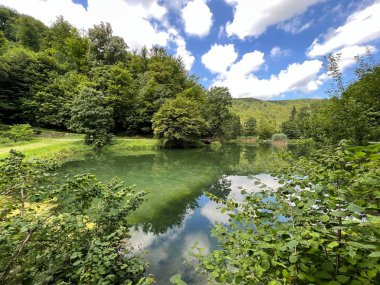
(252, 18)
(297, 76)
(249, 63)
(197, 18)
(360, 28)
(219, 58)
(239, 75)
(130, 19)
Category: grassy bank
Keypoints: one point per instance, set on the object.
(62, 149)
(44, 147)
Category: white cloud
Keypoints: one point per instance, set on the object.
(211, 211)
(219, 58)
(249, 63)
(361, 27)
(298, 76)
(252, 18)
(277, 51)
(197, 18)
(239, 76)
(129, 18)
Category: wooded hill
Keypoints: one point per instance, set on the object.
(273, 111)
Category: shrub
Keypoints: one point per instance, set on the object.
(279, 137)
(216, 145)
(21, 132)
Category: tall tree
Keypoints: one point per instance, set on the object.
(104, 48)
(250, 127)
(119, 88)
(30, 32)
(7, 20)
(219, 101)
(22, 74)
(92, 116)
(180, 121)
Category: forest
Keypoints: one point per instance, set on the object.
(321, 226)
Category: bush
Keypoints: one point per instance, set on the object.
(20, 132)
(71, 232)
(279, 137)
(216, 145)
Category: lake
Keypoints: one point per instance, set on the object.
(177, 212)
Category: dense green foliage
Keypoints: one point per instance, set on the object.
(180, 120)
(72, 233)
(250, 127)
(320, 227)
(91, 116)
(218, 116)
(196, 113)
(45, 72)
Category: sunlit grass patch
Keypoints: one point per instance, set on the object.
(122, 144)
(44, 147)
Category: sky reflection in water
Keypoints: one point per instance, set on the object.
(177, 213)
(167, 252)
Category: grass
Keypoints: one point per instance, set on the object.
(121, 144)
(64, 148)
(44, 147)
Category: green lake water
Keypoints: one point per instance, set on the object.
(177, 213)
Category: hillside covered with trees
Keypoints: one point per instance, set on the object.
(269, 115)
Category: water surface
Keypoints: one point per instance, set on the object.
(177, 212)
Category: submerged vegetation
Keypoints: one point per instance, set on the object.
(320, 227)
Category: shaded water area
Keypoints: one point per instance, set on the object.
(177, 212)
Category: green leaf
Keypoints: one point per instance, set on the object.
(355, 208)
(176, 279)
(361, 245)
(333, 244)
(324, 218)
(292, 244)
(293, 258)
(259, 270)
(342, 278)
(375, 254)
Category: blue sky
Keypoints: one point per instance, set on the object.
(270, 49)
